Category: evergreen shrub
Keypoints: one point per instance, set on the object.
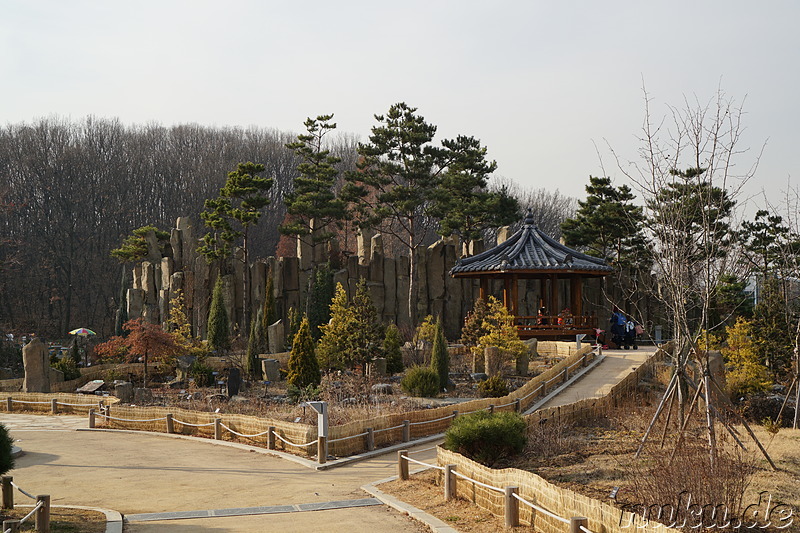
(494, 387)
(6, 450)
(487, 437)
(420, 381)
(201, 373)
(68, 367)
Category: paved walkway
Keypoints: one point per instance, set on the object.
(616, 365)
(175, 485)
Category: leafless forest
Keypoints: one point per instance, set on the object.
(70, 190)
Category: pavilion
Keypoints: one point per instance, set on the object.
(530, 254)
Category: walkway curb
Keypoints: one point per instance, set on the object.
(113, 518)
(435, 525)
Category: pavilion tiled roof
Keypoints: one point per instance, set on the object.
(530, 250)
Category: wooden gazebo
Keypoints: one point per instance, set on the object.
(530, 254)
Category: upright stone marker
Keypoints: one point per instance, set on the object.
(37, 367)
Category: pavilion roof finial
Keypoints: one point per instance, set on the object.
(529, 217)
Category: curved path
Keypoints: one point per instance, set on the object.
(138, 473)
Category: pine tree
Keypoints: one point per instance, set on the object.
(319, 308)
(314, 208)
(607, 224)
(331, 346)
(473, 328)
(440, 359)
(254, 345)
(268, 314)
(303, 364)
(365, 341)
(501, 331)
(218, 326)
(354, 336)
(392, 351)
(230, 216)
(462, 201)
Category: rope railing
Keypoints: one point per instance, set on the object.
(27, 516)
(476, 482)
(28, 494)
(492, 488)
(389, 429)
(243, 435)
(109, 417)
(290, 443)
(350, 437)
(432, 421)
(76, 404)
(541, 509)
(28, 401)
(437, 467)
(192, 425)
(33, 512)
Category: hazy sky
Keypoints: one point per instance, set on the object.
(540, 83)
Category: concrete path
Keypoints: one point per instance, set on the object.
(149, 473)
(616, 365)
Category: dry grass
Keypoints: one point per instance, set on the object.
(62, 520)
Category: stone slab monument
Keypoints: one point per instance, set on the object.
(37, 367)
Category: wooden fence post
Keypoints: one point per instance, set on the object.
(511, 507)
(170, 423)
(12, 526)
(9, 404)
(491, 408)
(91, 418)
(518, 405)
(8, 492)
(217, 429)
(402, 465)
(406, 430)
(54, 406)
(370, 439)
(43, 514)
(566, 374)
(576, 522)
(449, 482)
(271, 438)
(322, 449)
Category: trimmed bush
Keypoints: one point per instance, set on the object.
(68, 367)
(6, 455)
(487, 437)
(392, 351)
(494, 387)
(420, 381)
(440, 359)
(201, 373)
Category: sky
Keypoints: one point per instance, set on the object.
(548, 87)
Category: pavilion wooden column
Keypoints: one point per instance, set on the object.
(515, 295)
(484, 289)
(576, 295)
(507, 294)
